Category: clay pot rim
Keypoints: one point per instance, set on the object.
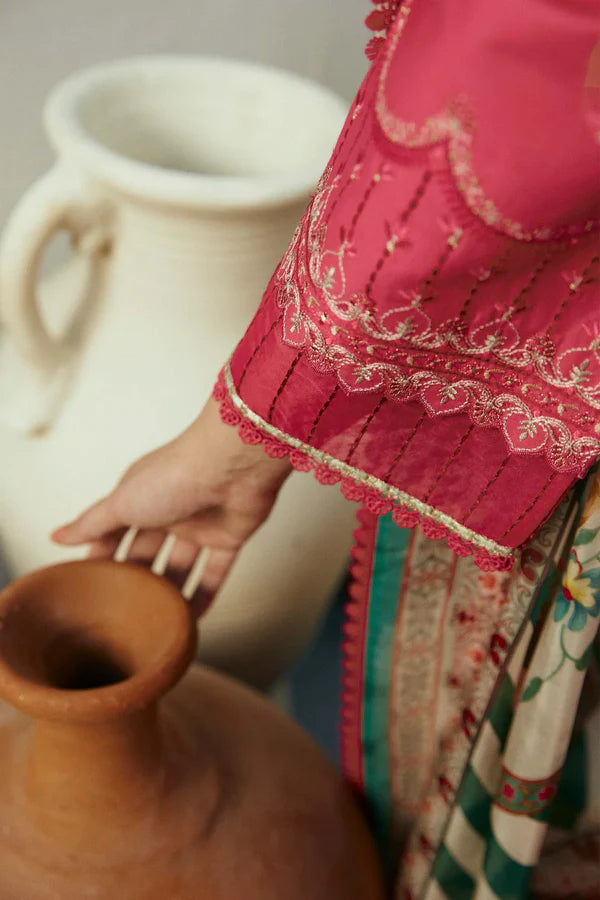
(184, 189)
(138, 691)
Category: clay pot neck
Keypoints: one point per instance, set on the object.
(90, 642)
(86, 650)
(119, 765)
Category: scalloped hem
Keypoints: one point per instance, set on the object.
(353, 650)
(373, 495)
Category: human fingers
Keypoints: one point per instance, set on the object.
(197, 573)
(95, 522)
(105, 547)
(182, 564)
(142, 546)
(220, 526)
(218, 562)
(206, 577)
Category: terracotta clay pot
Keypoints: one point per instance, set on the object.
(211, 794)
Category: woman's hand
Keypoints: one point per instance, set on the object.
(206, 487)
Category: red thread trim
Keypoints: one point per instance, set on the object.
(449, 462)
(257, 348)
(532, 504)
(443, 259)
(402, 450)
(572, 292)
(281, 387)
(417, 196)
(378, 267)
(363, 430)
(360, 131)
(349, 180)
(485, 489)
(350, 119)
(352, 489)
(519, 305)
(353, 649)
(361, 206)
(321, 413)
(495, 269)
(410, 208)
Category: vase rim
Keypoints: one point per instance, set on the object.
(160, 663)
(189, 189)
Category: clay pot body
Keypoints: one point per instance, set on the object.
(212, 794)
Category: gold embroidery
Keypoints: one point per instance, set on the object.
(451, 366)
(454, 126)
(361, 477)
(372, 352)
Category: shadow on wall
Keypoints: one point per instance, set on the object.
(316, 682)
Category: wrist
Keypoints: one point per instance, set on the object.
(228, 450)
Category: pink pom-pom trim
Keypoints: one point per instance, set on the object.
(376, 502)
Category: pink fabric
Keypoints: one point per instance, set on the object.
(432, 334)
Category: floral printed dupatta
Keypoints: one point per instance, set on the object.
(460, 714)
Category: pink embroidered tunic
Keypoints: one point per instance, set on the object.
(431, 338)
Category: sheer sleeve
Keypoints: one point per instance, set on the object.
(431, 338)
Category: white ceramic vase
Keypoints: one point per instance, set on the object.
(180, 181)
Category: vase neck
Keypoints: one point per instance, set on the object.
(210, 266)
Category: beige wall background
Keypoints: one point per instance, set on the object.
(41, 41)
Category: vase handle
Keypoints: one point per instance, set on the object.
(59, 201)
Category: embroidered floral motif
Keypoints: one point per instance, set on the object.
(475, 617)
(357, 485)
(470, 697)
(580, 594)
(403, 355)
(577, 601)
(526, 798)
